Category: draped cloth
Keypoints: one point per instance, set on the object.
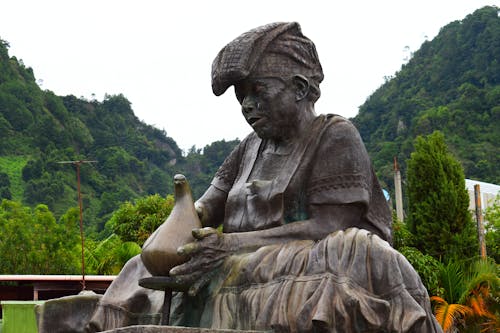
(351, 281)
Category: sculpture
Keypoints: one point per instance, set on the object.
(306, 228)
(159, 251)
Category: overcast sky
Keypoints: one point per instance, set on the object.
(159, 53)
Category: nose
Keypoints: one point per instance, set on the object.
(249, 104)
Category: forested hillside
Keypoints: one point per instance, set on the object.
(39, 129)
(452, 83)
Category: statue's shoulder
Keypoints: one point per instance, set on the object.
(248, 142)
(334, 123)
(333, 119)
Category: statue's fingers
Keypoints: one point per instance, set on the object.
(203, 280)
(200, 283)
(203, 232)
(188, 249)
(184, 269)
(183, 282)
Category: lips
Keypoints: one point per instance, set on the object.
(253, 120)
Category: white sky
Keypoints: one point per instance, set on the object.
(159, 53)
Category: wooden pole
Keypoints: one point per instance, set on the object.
(479, 220)
(80, 204)
(82, 236)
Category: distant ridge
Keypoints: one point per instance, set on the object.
(39, 129)
(452, 84)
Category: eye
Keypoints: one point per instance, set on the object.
(258, 88)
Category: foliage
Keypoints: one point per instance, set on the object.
(426, 266)
(452, 83)
(136, 221)
(38, 129)
(108, 256)
(201, 165)
(492, 227)
(12, 166)
(438, 201)
(469, 298)
(402, 237)
(32, 242)
(5, 186)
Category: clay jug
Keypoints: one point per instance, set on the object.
(159, 252)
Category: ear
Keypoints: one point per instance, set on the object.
(301, 87)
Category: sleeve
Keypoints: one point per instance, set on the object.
(214, 198)
(226, 174)
(341, 168)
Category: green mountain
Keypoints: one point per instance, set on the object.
(39, 129)
(451, 84)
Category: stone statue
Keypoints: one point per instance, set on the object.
(305, 244)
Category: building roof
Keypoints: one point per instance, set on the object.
(485, 187)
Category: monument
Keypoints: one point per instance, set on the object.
(306, 231)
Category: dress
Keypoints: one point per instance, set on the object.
(351, 281)
(328, 166)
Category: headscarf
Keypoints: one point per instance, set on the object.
(272, 50)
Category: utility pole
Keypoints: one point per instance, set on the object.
(80, 204)
(479, 221)
(399, 193)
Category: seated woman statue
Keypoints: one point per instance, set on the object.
(306, 233)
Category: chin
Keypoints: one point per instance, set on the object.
(268, 136)
(264, 135)
(261, 132)
(270, 133)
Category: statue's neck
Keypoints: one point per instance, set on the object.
(296, 133)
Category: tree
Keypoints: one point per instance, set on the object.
(53, 244)
(469, 297)
(492, 216)
(438, 201)
(5, 186)
(32, 242)
(452, 84)
(135, 222)
(109, 255)
(426, 266)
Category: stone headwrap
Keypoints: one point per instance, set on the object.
(272, 50)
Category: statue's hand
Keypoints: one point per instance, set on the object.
(207, 254)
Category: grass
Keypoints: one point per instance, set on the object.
(13, 166)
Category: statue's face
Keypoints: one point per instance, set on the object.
(269, 106)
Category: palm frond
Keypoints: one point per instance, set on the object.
(449, 315)
(452, 281)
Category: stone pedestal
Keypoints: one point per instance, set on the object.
(66, 314)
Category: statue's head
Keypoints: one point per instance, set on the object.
(273, 50)
(274, 69)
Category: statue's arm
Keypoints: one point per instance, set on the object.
(324, 220)
(211, 205)
(212, 246)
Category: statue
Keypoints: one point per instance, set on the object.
(305, 244)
